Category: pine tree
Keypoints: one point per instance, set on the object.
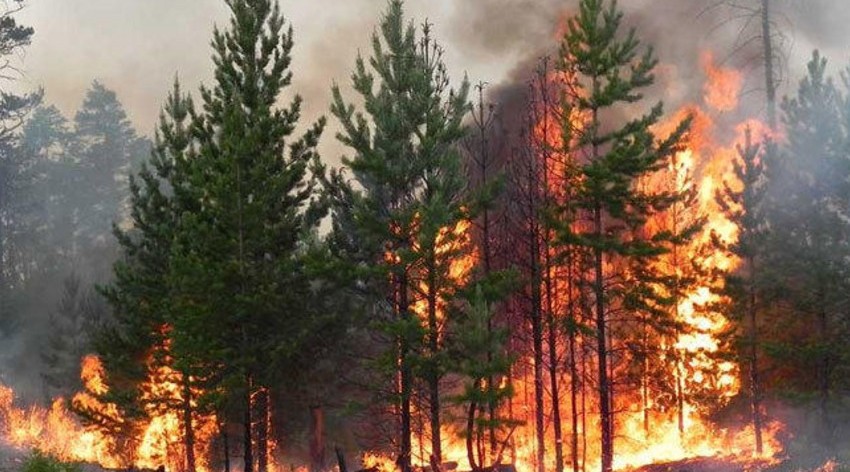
(480, 356)
(47, 138)
(78, 315)
(141, 296)
(610, 72)
(15, 176)
(237, 265)
(106, 149)
(743, 204)
(806, 210)
(406, 162)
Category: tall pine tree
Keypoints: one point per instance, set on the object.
(610, 72)
(410, 200)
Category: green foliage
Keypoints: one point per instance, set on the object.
(38, 461)
(397, 226)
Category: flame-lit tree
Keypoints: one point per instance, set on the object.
(141, 296)
(409, 205)
(481, 359)
(743, 204)
(609, 73)
(484, 147)
(538, 184)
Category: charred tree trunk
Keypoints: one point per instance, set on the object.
(188, 429)
(553, 385)
(537, 333)
(645, 377)
(262, 406)
(574, 383)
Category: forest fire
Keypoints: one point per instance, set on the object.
(150, 444)
(654, 422)
(575, 278)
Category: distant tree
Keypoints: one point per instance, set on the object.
(106, 147)
(609, 71)
(16, 177)
(75, 320)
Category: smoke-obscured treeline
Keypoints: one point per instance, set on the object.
(544, 281)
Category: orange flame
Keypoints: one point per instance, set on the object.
(157, 442)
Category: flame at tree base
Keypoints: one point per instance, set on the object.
(155, 442)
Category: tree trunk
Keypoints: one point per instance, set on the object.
(553, 385)
(537, 333)
(434, 346)
(645, 377)
(188, 429)
(755, 387)
(823, 374)
(262, 406)
(247, 438)
(574, 385)
(405, 380)
(470, 434)
(607, 452)
(225, 440)
(317, 439)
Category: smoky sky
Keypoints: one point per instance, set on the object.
(136, 47)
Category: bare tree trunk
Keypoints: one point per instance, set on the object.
(607, 452)
(537, 341)
(574, 385)
(645, 377)
(553, 385)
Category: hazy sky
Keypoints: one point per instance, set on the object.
(137, 46)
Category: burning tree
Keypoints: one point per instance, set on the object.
(607, 71)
